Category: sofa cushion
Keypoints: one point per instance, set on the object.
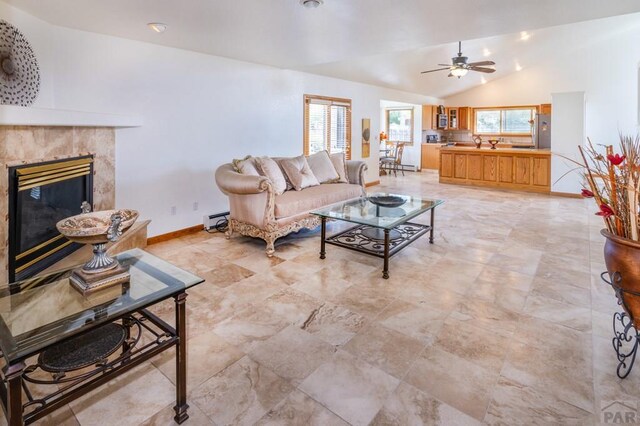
(299, 173)
(246, 166)
(271, 169)
(292, 203)
(339, 160)
(322, 167)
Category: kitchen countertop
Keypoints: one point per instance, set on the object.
(498, 149)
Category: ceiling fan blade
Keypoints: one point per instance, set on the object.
(445, 65)
(450, 75)
(481, 63)
(439, 69)
(480, 69)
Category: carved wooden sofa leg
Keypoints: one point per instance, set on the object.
(271, 241)
(229, 232)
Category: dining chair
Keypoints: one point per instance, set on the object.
(393, 162)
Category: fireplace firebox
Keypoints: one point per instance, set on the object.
(40, 195)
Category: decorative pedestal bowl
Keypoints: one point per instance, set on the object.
(98, 228)
(493, 143)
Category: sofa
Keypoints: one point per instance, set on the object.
(259, 209)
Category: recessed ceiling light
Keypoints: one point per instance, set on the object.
(486, 52)
(310, 4)
(483, 80)
(518, 67)
(524, 36)
(157, 26)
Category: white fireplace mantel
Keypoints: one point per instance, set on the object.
(11, 115)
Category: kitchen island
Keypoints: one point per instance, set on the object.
(505, 168)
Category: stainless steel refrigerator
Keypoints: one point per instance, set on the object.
(542, 131)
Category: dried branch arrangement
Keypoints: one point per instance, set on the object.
(614, 182)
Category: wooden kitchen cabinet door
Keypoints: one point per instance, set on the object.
(474, 167)
(427, 117)
(541, 172)
(490, 168)
(505, 169)
(446, 165)
(460, 166)
(464, 119)
(522, 170)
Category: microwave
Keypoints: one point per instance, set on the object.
(442, 121)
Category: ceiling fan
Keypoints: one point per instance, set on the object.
(459, 66)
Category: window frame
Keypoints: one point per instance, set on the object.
(534, 108)
(413, 123)
(305, 124)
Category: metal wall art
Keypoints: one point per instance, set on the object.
(19, 71)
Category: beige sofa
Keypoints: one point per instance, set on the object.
(256, 211)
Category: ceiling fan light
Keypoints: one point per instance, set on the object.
(310, 4)
(459, 72)
(158, 27)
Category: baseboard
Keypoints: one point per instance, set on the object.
(374, 183)
(565, 194)
(175, 234)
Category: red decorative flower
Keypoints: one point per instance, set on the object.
(616, 159)
(587, 194)
(605, 211)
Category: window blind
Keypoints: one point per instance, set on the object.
(327, 125)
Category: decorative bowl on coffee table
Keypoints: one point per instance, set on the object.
(98, 228)
(390, 201)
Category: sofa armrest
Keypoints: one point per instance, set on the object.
(355, 171)
(231, 182)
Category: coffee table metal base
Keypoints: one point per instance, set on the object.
(378, 242)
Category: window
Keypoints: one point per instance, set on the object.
(327, 125)
(504, 121)
(400, 125)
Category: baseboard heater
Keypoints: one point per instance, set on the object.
(216, 221)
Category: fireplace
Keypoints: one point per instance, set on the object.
(40, 195)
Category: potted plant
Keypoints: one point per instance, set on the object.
(613, 180)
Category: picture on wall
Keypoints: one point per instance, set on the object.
(366, 136)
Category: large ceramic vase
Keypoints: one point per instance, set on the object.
(623, 255)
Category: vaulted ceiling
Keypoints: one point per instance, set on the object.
(381, 42)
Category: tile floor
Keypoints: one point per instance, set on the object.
(503, 320)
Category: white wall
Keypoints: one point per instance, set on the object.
(567, 132)
(199, 111)
(599, 58)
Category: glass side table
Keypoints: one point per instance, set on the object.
(82, 342)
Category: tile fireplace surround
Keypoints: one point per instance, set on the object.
(33, 144)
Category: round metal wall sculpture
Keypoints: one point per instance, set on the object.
(19, 72)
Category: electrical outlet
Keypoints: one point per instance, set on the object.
(174, 210)
(195, 206)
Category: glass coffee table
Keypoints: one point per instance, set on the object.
(54, 338)
(380, 231)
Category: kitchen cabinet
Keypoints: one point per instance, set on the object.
(464, 118)
(430, 156)
(506, 168)
(452, 114)
(427, 117)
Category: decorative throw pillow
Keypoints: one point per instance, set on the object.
(339, 161)
(299, 172)
(270, 169)
(246, 166)
(286, 178)
(322, 167)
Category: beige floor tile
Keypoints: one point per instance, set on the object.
(299, 409)
(482, 347)
(558, 312)
(389, 350)
(410, 406)
(334, 324)
(293, 305)
(240, 394)
(250, 326)
(455, 381)
(123, 398)
(524, 265)
(258, 262)
(513, 404)
(321, 285)
(207, 355)
(418, 322)
(292, 354)
(349, 387)
(486, 315)
(226, 275)
(561, 292)
(363, 301)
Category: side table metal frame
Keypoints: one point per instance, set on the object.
(15, 376)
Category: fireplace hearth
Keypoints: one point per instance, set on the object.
(40, 195)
